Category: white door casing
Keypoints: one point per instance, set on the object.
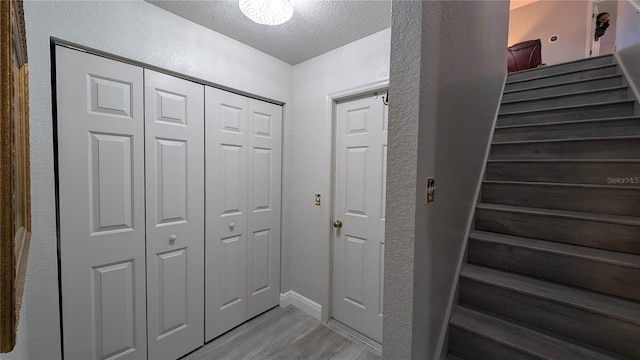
(100, 140)
(174, 130)
(243, 172)
(595, 44)
(358, 259)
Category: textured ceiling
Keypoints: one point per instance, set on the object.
(317, 26)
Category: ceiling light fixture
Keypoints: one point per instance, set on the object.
(267, 12)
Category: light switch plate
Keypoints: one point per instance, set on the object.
(318, 199)
(430, 190)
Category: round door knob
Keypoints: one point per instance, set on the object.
(172, 239)
(231, 225)
(337, 224)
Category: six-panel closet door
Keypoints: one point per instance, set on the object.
(131, 196)
(100, 142)
(243, 166)
(174, 143)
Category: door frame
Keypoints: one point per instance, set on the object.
(381, 85)
(591, 16)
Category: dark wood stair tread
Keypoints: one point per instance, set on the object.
(544, 76)
(616, 219)
(575, 93)
(605, 305)
(621, 172)
(568, 250)
(570, 107)
(613, 199)
(564, 185)
(564, 83)
(631, 161)
(570, 122)
(632, 137)
(519, 338)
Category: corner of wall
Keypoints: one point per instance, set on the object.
(633, 85)
(628, 44)
(307, 305)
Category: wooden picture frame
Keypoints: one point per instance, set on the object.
(15, 184)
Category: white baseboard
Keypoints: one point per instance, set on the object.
(309, 306)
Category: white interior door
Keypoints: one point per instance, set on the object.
(361, 161)
(264, 162)
(174, 112)
(100, 139)
(226, 205)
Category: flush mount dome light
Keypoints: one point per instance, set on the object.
(267, 12)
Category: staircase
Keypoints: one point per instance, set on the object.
(553, 261)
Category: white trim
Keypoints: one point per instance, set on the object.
(285, 299)
(332, 98)
(470, 222)
(360, 90)
(588, 51)
(628, 78)
(369, 344)
(307, 305)
(635, 4)
(589, 41)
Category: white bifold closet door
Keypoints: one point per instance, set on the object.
(243, 162)
(131, 288)
(100, 139)
(174, 143)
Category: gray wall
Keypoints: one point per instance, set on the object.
(471, 80)
(540, 20)
(628, 38)
(447, 71)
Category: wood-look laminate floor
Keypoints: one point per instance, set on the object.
(282, 333)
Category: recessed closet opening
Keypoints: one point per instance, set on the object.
(168, 206)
